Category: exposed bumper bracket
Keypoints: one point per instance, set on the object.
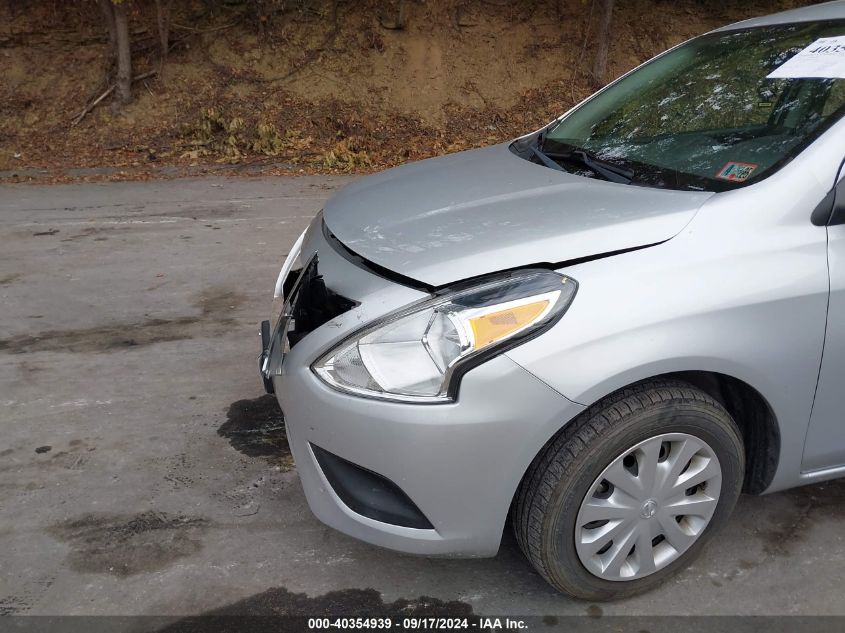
(262, 359)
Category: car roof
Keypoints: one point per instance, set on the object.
(817, 12)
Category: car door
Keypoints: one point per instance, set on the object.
(825, 443)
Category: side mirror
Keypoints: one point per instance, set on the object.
(823, 213)
(831, 210)
(837, 216)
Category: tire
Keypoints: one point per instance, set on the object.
(545, 513)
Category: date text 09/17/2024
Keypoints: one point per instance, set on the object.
(418, 623)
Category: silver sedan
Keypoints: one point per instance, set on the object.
(605, 330)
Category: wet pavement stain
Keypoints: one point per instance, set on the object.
(257, 428)
(345, 603)
(125, 545)
(28, 591)
(97, 233)
(215, 317)
(103, 338)
(208, 213)
(13, 605)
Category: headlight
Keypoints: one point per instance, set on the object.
(419, 353)
(292, 262)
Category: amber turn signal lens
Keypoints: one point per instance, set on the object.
(492, 327)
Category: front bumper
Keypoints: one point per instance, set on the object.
(459, 463)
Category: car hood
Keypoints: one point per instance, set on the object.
(450, 218)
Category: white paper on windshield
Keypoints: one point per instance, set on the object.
(823, 59)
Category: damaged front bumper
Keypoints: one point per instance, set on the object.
(426, 479)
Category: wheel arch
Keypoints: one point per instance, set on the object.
(755, 418)
(746, 405)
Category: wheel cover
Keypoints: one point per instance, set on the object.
(648, 507)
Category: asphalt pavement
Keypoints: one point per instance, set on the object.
(143, 471)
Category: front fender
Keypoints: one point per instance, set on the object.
(745, 296)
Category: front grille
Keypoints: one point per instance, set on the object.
(312, 304)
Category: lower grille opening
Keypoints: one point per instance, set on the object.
(369, 494)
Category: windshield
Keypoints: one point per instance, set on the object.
(708, 115)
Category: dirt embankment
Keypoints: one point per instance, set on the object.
(326, 87)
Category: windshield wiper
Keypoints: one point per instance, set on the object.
(604, 168)
(548, 162)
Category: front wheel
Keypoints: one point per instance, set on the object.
(627, 495)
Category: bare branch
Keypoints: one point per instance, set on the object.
(105, 94)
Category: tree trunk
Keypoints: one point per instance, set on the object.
(262, 16)
(603, 43)
(163, 18)
(107, 9)
(124, 57)
(401, 15)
